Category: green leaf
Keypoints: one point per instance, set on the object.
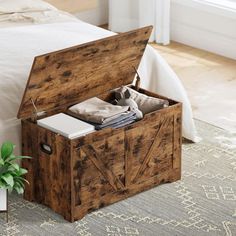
(6, 150)
(3, 170)
(21, 179)
(19, 187)
(1, 162)
(19, 190)
(15, 166)
(8, 179)
(17, 157)
(2, 185)
(19, 183)
(22, 171)
(10, 157)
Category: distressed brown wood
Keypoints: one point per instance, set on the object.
(113, 197)
(106, 166)
(101, 168)
(49, 175)
(65, 77)
(156, 143)
(107, 173)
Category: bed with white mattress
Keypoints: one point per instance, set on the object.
(29, 28)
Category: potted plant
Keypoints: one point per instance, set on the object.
(11, 174)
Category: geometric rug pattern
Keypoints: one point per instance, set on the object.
(203, 202)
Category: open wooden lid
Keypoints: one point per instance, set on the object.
(66, 77)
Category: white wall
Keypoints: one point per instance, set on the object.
(96, 16)
(123, 14)
(192, 23)
(204, 27)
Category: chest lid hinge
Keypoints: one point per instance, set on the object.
(36, 113)
(138, 80)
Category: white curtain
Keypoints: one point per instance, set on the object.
(125, 15)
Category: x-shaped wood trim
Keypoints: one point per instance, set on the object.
(156, 142)
(108, 174)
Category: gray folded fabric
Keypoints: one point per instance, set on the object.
(97, 111)
(124, 119)
(145, 103)
(122, 124)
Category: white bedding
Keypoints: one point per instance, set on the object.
(36, 17)
(19, 45)
(12, 6)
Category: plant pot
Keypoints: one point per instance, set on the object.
(3, 200)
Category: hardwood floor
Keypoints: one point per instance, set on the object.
(210, 81)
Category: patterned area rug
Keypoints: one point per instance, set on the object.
(202, 203)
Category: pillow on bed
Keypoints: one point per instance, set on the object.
(12, 6)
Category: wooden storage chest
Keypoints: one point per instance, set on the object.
(74, 177)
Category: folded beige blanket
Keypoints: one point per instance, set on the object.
(97, 111)
(145, 103)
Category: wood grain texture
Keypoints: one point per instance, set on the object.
(29, 142)
(104, 167)
(156, 144)
(63, 78)
(106, 172)
(111, 197)
(49, 175)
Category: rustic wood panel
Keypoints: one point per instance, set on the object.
(156, 143)
(177, 142)
(106, 172)
(89, 181)
(139, 140)
(111, 153)
(29, 142)
(63, 78)
(49, 174)
(104, 167)
(112, 197)
(149, 163)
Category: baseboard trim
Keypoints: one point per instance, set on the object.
(203, 39)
